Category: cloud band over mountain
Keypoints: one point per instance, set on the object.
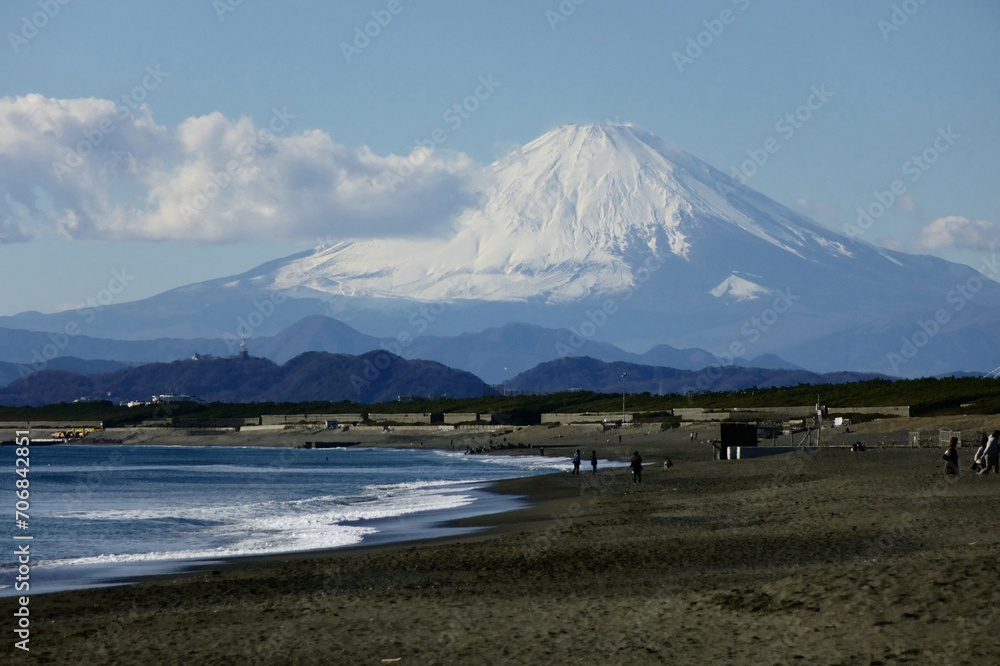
(961, 232)
(96, 169)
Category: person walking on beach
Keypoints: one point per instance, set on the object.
(992, 454)
(979, 457)
(951, 457)
(576, 462)
(636, 464)
(593, 460)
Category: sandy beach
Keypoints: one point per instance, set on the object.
(830, 557)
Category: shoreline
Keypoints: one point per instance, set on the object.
(537, 494)
(488, 498)
(825, 557)
(461, 528)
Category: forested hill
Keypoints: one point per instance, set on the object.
(588, 374)
(376, 376)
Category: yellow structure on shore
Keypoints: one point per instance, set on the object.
(72, 433)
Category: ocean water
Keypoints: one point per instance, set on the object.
(102, 515)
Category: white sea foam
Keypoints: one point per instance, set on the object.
(331, 536)
(396, 488)
(534, 463)
(275, 526)
(187, 469)
(375, 501)
(392, 506)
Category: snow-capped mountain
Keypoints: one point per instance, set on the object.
(617, 235)
(575, 213)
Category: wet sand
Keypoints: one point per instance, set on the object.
(830, 557)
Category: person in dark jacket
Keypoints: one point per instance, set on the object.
(951, 457)
(636, 464)
(593, 460)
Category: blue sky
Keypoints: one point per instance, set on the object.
(887, 81)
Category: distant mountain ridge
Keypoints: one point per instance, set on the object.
(588, 374)
(495, 354)
(379, 376)
(315, 376)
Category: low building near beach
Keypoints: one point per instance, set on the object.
(312, 419)
(410, 418)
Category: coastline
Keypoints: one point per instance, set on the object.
(893, 431)
(827, 557)
(437, 531)
(429, 515)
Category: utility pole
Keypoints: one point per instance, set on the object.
(623, 398)
(819, 421)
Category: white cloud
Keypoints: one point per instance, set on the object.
(961, 232)
(89, 168)
(818, 209)
(906, 205)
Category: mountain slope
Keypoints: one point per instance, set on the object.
(495, 354)
(498, 353)
(12, 371)
(588, 374)
(43, 351)
(314, 333)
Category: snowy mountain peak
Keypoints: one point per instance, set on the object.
(736, 288)
(622, 188)
(591, 194)
(575, 213)
(608, 144)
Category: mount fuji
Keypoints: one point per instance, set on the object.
(620, 237)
